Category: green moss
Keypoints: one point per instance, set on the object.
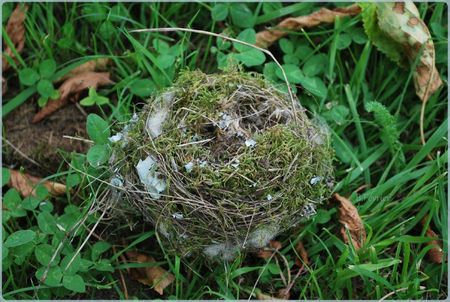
(221, 187)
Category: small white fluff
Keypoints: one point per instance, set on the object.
(134, 118)
(261, 236)
(250, 143)
(189, 166)
(162, 228)
(269, 197)
(203, 163)
(178, 216)
(115, 138)
(225, 120)
(308, 210)
(146, 170)
(235, 164)
(155, 122)
(117, 181)
(224, 251)
(315, 180)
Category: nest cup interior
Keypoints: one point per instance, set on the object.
(220, 163)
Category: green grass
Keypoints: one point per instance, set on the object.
(393, 259)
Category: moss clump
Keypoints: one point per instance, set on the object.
(222, 162)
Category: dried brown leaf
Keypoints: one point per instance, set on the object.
(266, 253)
(16, 32)
(301, 251)
(351, 221)
(435, 254)
(93, 65)
(154, 276)
(72, 86)
(25, 184)
(267, 37)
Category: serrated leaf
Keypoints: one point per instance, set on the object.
(385, 44)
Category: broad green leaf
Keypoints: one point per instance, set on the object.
(98, 155)
(143, 87)
(74, 267)
(293, 73)
(47, 68)
(5, 252)
(19, 238)
(74, 283)
(315, 86)
(107, 30)
(270, 71)
(248, 35)
(291, 59)
(315, 65)
(97, 129)
(53, 277)
(104, 266)
(30, 203)
(5, 176)
(286, 46)
(343, 41)
(219, 12)
(28, 76)
(241, 15)
(13, 203)
(165, 61)
(99, 248)
(45, 88)
(44, 253)
(47, 223)
(251, 58)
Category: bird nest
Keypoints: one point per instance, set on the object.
(220, 163)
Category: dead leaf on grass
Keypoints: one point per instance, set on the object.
(266, 253)
(351, 221)
(93, 65)
(267, 37)
(154, 276)
(25, 184)
(436, 254)
(72, 86)
(16, 32)
(301, 251)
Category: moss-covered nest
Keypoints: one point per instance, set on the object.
(220, 163)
